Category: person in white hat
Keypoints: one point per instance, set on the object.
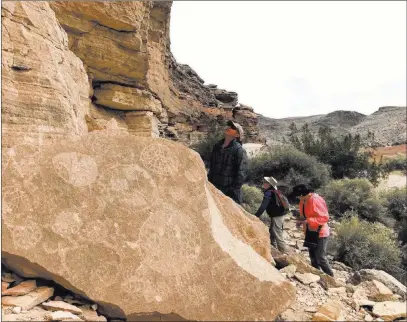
(228, 166)
(276, 205)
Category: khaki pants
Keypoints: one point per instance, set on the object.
(276, 233)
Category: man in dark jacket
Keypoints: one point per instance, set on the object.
(228, 164)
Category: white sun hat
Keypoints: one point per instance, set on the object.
(271, 181)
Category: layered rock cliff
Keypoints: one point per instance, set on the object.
(70, 67)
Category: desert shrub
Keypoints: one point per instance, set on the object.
(288, 166)
(361, 244)
(343, 153)
(402, 234)
(252, 198)
(204, 146)
(395, 201)
(398, 163)
(354, 195)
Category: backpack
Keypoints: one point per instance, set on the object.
(278, 205)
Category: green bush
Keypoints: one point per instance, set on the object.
(204, 147)
(288, 166)
(395, 201)
(252, 198)
(354, 195)
(398, 163)
(361, 244)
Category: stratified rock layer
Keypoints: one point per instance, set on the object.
(45, 88)
(135, 226)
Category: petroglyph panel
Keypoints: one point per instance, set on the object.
(75, 168)
(159, 159)
(133, 224)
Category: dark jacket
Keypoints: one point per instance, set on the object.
(272, 204)
(228, 166)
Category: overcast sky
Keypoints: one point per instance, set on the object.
(297, 58)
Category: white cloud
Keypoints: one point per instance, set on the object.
(294, 57)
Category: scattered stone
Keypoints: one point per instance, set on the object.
(16, 310)
(380, 292)
(368, 317)
(74, 302)
(94, 307)
(61, 306)
(58, 298)
(289, 270)
(390, 311)
(4, 286)
(61, 316)
(341, 267)
(307, 278)
(311, 309)
(21, 289)
(27, 302)
(330, 311)
(381, 276)
(8, 278)
(91, 315)
(337, 291)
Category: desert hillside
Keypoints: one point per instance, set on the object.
(388, 125)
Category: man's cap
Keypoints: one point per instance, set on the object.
(271, 181)
(238, 127)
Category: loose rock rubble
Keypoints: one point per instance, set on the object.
(30, 300)
(366, 295)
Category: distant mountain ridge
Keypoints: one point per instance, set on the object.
(388, 124)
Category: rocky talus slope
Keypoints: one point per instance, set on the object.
(388, 125)
(70, 67)
(365, 295)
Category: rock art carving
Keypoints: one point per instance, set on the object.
(77, 169)
(139, 230)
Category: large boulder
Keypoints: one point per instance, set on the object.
(134, 225)
(373, 274)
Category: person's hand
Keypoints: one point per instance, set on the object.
(300, 222)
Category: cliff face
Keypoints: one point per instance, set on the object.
(125, 49)
(45, 92)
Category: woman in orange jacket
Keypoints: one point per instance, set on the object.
(314, 217)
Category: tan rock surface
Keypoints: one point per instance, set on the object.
(21, 289)
(45, 89)
(27, 302)
(4, 286)
(126, 98)
(383, 277)
(330, 311)
(91, 315)
(61, 306)
(307, 278)
(135, 226)
(390, 311)
(61, 316)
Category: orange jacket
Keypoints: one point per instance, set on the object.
(316, 213)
